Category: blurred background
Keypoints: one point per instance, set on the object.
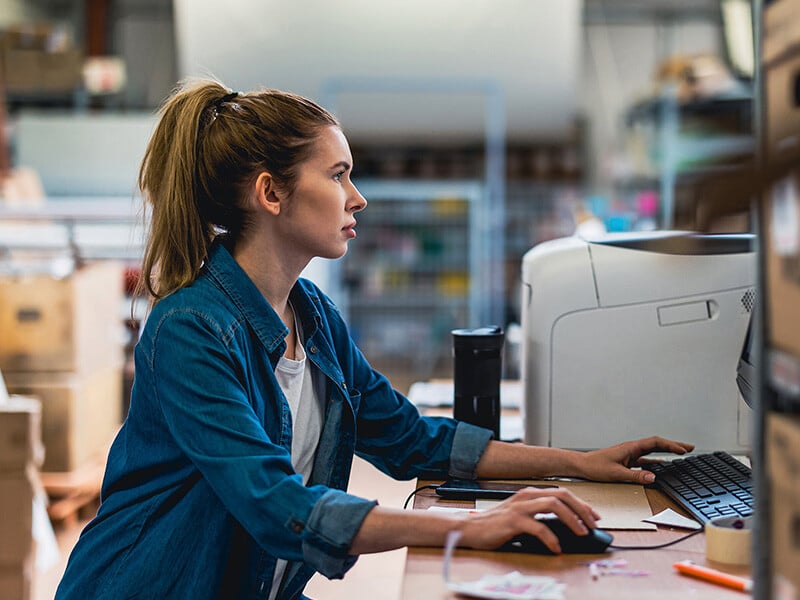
(479, 129)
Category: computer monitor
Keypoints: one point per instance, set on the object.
(636, 334)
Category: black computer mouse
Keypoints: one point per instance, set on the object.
(594, 542)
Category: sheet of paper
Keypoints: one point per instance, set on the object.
(670, 518)
(621, 505)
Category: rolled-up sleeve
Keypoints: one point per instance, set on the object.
(332, 525)
(469, 442)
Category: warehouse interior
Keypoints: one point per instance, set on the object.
(478, 131)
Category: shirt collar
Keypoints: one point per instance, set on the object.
(223, 268)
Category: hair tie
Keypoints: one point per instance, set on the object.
(227, 98)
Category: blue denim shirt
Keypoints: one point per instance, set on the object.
(199, 496)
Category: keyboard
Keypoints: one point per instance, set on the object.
(706, 485)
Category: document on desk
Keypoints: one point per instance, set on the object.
(621, 505)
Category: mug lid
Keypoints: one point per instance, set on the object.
(479, 331)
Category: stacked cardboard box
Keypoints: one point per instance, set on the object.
(780, 208)
(20, 454)
(783, 462)
(62, 340)
(39, 58)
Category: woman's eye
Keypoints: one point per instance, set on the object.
(339, 175)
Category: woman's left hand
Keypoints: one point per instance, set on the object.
(615, 462)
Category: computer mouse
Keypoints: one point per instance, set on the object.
(594, 542)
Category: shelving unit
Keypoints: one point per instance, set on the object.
(416, 273)
(85, 229)
(777, 336)
(687, 142)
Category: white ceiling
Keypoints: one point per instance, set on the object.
(428, 52)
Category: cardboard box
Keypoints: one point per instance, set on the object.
(16, 517)
(16, 581)
(81, 412)
(40, 58)
(20, 434)
(61, 71)
(781, 29)
(782, 253)
(70, 324)
(783, 467)
(782, 108)
(29, 35)
(20, 70)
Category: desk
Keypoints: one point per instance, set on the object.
(423, 571)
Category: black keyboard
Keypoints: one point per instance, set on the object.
(706, 485)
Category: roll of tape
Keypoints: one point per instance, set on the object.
(728, 540)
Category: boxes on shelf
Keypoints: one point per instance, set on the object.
(62, 324)
(783, 113)
(782, 224)
(20, 434)
(781, 29)
(39, 58)
(20, 453)
(17, 491)
(783, 467)
(80, 412)
(16, 580)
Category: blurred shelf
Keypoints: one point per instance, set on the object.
(405, 301)
(417, 270)
(682, 143)
(94, 228)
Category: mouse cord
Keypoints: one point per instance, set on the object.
(419, 489)
(680, 539)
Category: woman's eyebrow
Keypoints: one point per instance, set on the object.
(342, 164)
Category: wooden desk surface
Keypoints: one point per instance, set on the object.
(423, 577)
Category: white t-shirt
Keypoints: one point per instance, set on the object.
(300, 383)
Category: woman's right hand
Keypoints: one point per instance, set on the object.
(489, 529)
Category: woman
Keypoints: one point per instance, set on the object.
(250, 398)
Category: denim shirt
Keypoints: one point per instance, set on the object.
(199, 496)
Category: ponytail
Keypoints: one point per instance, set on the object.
(207, 148)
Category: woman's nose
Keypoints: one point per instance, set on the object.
(358, 202)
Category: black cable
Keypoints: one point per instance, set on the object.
(614, 546)
(680, 539)
(419, 489)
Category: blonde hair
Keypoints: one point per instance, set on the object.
(208, 146)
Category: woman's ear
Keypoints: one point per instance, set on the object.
(267, 193)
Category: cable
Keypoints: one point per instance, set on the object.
(614, 546)
(686, 537)
(419, 489)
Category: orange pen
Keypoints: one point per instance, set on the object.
(687, 567)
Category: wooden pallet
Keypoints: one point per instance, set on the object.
(74, 494)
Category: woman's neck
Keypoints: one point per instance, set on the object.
(273, 270)
(274, 275)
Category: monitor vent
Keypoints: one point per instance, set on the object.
(748, 300)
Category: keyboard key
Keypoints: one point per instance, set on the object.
(706, 485)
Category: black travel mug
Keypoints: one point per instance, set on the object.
(478, 366)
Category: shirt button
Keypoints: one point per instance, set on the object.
(344, 385)
(313, 349)
(297, 527)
